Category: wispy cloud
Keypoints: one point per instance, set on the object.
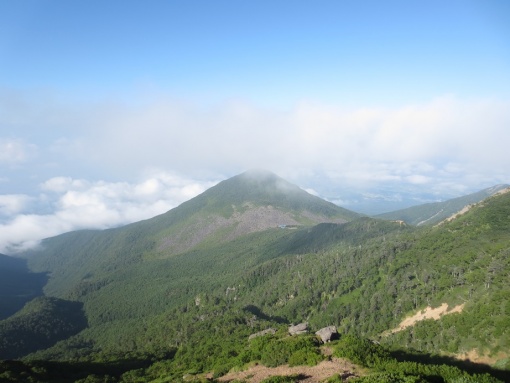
(15, 151)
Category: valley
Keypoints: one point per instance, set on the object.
(178, 295)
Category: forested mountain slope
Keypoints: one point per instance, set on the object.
(146, 268)
(39, 325)
(17, 285)
(433, 213)
(196, 309)
(248, 203)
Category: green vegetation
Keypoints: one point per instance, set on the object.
(337, 378)
(282, 379)
(128, 307)
(82, 258)
(432, 213)
(381, 365)
(386, 368)
(39, 325)
(274, 351)
(17, 285)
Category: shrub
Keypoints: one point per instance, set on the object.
(296, 350)
(361, 351)
(305, 357)
(337, 378)
(282, 379)
(386, 377)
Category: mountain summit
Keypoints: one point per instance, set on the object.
(253, 201)
(263, 188)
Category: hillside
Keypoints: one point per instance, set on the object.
(433, 213)
(17, 285)
(249, 203)
(180, 311)
(40, 324)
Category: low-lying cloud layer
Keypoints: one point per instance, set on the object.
(78, 204)
(55, 155)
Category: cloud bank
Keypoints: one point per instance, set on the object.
(447, 146)
(444, 143)
(187, 136)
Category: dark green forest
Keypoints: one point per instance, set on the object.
(122, 306)
(17, 285)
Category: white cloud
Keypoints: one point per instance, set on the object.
(418, 179)
(11, 204)
(83, 204)
(312, 192)
(62, 184)
(448, 146)
(235, 135)
(14, 151)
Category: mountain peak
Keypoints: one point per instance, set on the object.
(251, 202)
(255, 200)
(258, 173)
(258, 182)
(260, 176)
(263, 188)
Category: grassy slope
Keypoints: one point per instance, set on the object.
(433, 213)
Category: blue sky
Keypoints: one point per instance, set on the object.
(271, 52)
(112, 111)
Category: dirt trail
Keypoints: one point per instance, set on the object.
(307, 374)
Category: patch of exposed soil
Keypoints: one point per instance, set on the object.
(427, 313)
(313, 374)
(192, 234)
(502, 191)
(243, 221)
(466, 208)
(258, 219)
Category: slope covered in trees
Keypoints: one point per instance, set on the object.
(435, 212)
(39, 325)
(248, 203)
(192, 312)
(17, 285)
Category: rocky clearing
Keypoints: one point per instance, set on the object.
(427, 313)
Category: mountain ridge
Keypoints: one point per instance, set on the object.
(435, 212)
